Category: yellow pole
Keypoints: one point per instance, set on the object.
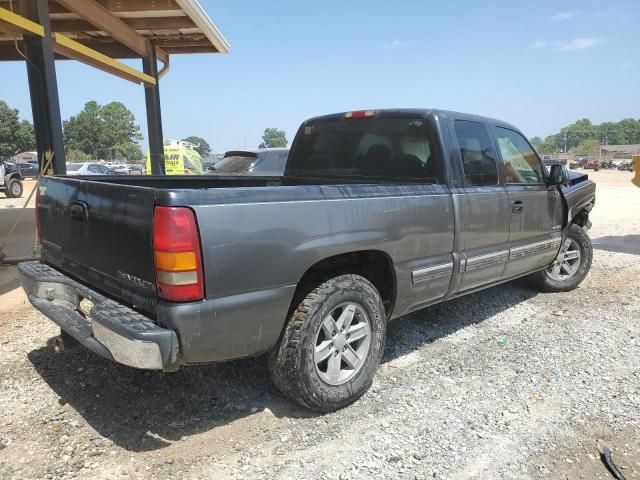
(635, 164)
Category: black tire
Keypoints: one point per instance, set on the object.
(14, 188)
(542, 280)
(291, 362)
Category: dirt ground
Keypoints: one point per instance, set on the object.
(21, 242)
(502, 384)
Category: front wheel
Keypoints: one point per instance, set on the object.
(14, 188)
(570, 267)
(332, 344)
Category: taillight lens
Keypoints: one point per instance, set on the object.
(177, 258)
(38, 237)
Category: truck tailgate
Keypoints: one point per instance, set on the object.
(101, 234)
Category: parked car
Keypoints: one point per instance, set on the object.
(88, 168)
(29, 169)
(378, 214)
(261, 162)
(10, 179)
(114, 165)
(128, 170)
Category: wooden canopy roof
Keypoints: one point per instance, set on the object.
(123, 28)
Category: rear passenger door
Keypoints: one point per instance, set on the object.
(483, 207)
(535, 210)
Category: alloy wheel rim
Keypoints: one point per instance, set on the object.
(342, 343)
(567, 262)
(15, 189)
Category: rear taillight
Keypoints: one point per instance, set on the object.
(38, 237)
(177, 258)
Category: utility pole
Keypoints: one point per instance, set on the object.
(565, 142)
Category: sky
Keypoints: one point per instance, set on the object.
(539, 65)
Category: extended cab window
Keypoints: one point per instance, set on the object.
(386, 148)
(521, 164)
(478, 156)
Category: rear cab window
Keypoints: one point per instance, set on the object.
(389, 149)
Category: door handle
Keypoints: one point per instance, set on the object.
(79, 211)
(517, 206)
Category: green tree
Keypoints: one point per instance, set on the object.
(203, 148)
(273, 138)
(536, 142)
(547, 148)
(120, 131)
(127, 151)
(590, 146)
(15, 135)
(77, 156)
(26, 137)
(83, 132)
(629, 130)
(103, 132)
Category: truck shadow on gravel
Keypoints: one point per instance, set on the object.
(618, 244)
(143, 411)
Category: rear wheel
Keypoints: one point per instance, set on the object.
(14, 188)
(332, 344)
(570, 267)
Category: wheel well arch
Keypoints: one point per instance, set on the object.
(582, 217)
(374, 265)
(10, 176)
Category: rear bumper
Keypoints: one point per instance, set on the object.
(108, 328)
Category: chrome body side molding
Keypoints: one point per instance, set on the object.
(429, 273)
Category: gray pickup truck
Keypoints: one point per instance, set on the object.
(379, 213)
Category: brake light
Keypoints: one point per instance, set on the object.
(177, 258)
(37, 211)
(360, 114)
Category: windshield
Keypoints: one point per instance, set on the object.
(74, 167)
(382, 148)
(235, 164)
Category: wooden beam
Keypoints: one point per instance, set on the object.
(114, 5)
(104, 20)
(138, 5)
(184, 50)
(16, 24)
(112, 49)
(151, 23)
(75, 50)
(98, 15)
(183, 41)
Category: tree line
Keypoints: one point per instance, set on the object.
(15, 135)
(108, 132)
(583, 137)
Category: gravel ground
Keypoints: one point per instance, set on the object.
(502, 384)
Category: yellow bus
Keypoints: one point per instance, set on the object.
(180, 158)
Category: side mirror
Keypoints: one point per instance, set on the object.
(558, 175)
